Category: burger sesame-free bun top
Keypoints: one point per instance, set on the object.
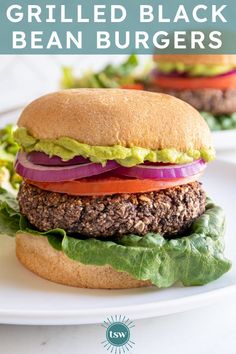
(193, 59)
(108, 117)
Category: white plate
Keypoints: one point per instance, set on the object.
(224, 140)
(28, 299)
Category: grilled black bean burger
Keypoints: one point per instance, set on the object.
(111, 196)
(207, 82)
(168, 211)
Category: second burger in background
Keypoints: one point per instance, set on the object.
(207, 82)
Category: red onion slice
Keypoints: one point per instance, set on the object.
(175, 74)
(155, 74)
(40, 158)
(163, 172)
(39, 173)
(228, 73)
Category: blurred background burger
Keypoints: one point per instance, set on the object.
(207, 82)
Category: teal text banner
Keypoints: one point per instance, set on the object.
(117, 27)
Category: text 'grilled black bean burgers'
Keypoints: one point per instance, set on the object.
(110, 196)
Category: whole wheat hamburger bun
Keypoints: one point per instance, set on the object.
(193, 59)
(36, 254)
(108, 117)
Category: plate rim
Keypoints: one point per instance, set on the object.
(93, 316)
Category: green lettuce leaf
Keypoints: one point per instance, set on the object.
(194, 259)
(9, 214)
(220, 122)
(8, 151)
(111, 76)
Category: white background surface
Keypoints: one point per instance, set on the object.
(207, 330)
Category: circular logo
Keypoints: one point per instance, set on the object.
(118, 334)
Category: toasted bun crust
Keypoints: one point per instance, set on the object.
(191, 59)
(36, 254)
(107, 117)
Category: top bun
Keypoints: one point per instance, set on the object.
(108, 117)
(192, 59)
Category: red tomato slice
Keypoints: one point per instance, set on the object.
(136, 86)
(183, 83)
(111, 185)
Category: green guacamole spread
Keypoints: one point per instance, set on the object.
(67, 148)
(194, 70)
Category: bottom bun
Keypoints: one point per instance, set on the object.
(36, 254)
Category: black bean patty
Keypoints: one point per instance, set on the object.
(168, 212)
(209, 100)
